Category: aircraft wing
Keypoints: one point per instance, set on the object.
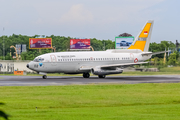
(111, 65)
(123, 64)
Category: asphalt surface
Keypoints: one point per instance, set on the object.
(68, 80)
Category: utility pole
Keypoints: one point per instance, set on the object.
(104, 46)
(3, 49)
(3, 45)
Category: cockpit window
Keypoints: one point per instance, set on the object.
(38, 59)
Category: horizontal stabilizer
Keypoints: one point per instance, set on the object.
(155, 53)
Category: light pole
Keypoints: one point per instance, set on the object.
(3, 49)
(3, 45)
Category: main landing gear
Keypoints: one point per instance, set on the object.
(44, 76)
(101, 76)
(86, 75)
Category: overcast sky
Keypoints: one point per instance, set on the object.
(101, 19)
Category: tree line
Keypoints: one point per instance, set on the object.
(62, 44)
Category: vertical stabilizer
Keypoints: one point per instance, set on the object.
(143, 39)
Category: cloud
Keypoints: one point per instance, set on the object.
(77, 14)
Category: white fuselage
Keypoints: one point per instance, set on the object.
(71, 62)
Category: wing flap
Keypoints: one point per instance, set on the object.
(85, 68)
(124, 64)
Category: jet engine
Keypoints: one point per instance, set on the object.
(100, 71)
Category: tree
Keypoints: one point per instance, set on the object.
(172, 59)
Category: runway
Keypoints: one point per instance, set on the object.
(69, 80)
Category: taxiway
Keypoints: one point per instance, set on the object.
(68, 80)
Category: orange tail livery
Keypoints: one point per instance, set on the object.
(143, 39)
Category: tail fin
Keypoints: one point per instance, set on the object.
(143, 39)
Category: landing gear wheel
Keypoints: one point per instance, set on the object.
(101, 76)
(44, 76)
(86, 75)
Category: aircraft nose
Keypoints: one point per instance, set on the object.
(27, 65)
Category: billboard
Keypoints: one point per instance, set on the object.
(81, 44)
(123, 42)
(20, 48)
(40, 43)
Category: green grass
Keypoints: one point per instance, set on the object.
(92, 102)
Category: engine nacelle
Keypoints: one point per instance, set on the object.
(99, 71)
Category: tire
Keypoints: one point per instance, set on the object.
(101, 76)
(44, 76)
(86, 75)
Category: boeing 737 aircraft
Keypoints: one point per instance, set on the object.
(99, 63)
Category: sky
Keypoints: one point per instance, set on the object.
(100, 19)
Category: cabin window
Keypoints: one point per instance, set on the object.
(36, 60)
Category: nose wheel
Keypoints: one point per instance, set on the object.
(44, 76)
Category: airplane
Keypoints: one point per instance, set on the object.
(101, 63)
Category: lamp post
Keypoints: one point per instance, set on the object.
(3, 48)
(3, 45)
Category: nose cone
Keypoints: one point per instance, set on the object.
(27, 65)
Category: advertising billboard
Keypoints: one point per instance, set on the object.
(40, 43)
(123, 42)
(80, 44)
(20, 48)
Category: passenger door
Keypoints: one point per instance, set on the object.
(53, 60)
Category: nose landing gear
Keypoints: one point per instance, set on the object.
(44, 76)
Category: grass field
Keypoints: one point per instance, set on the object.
(92, 102)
